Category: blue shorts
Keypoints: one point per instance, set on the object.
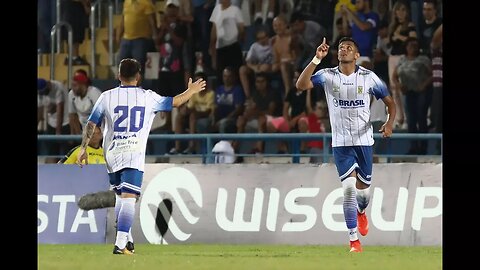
(126, 181)
(358, 158)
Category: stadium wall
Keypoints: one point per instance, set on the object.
(60, 221)
(278, 204)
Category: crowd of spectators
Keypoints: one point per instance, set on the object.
(251, 52)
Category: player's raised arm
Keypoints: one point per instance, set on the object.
(195, 87)
(87, 135)
(304, 81)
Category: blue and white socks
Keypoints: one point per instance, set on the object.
(363, 198)
(125, 218)
(350, 206)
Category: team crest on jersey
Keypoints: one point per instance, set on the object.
(360, 89)
(336, 88)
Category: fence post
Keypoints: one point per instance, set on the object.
(296, 150)
(209, 149)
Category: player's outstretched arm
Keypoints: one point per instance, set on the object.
(387, 128)
(195, 87)
(87, 135)
(304, 82)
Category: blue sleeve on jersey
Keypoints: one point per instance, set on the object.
(162, 103)
(318, 78)
(96, 116)
(379, 88)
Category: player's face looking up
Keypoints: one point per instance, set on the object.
(347, 52)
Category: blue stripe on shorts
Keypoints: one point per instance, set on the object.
(126, 180)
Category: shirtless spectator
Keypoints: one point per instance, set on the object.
(283, 60)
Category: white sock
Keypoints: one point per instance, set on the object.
(258, 15)
(125, 221)
(352, 234)
(270, 15)
(118, 204)
(121, 240)
(350, 206)
(129, 236)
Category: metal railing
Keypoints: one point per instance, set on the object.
(96, 22)
(294, 138)
(57, 27)
(93, 28)
(58, 7)
(111, 61)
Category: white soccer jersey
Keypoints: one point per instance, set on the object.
(127, 113)
(348, 99)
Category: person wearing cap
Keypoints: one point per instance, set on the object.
(81, 99)
(51, 101)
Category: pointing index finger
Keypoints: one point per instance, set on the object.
(324, 40)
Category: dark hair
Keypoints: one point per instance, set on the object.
(344, 39)
(230, 69)
(200, 74)
(297, 16)
(433, 2)
(261, 29)
(411, 40)
(129, 68)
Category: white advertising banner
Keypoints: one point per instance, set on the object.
(283, 203)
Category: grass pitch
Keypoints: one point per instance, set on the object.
(231, 257)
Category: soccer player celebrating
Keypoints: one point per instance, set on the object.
(127, 112)
(348, 88)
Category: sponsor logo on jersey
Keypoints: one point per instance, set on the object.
(124, 136)
(336, 88)
(351, 103)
